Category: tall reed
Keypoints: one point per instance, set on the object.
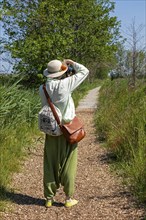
(18, 116)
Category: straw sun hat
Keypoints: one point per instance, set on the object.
(55, 69)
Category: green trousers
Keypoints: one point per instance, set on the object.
(60, 165)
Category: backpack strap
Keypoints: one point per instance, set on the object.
(51, 105)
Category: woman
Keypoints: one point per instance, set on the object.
(60, 157)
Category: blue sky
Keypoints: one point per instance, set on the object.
(126, 10)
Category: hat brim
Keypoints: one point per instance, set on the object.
(54, 75)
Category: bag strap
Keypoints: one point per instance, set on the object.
(51, 105)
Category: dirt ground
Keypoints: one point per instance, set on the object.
(100, 193)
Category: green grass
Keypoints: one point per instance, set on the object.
(121, 124)
(18, 115)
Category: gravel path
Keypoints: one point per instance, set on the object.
(101, 195)
(89, 103)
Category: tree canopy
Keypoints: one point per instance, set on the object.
(41, 30)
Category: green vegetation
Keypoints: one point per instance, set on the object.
(121, 125)
(39, 31)
(18, 116)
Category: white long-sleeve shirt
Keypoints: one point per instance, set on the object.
(60, 91)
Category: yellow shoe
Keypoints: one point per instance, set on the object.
(71, 202)
(49, 202)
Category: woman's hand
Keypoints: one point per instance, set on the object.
(68, 62)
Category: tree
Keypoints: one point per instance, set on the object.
(131, 60)
(41, 30)
(136, 55)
